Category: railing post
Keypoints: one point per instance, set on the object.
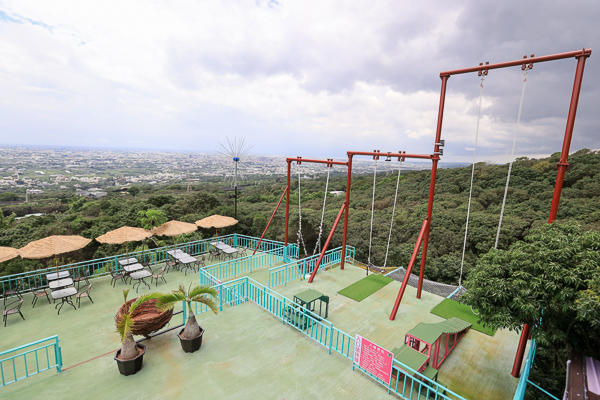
(220, 297)
(235, 240)
(184, 311)
(58, 356)
(116, 264)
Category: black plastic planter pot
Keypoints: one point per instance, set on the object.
(130, 367)
(191, 345)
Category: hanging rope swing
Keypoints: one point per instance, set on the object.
(318, 244)
(526, 69)
(369, 263)
(300, 238)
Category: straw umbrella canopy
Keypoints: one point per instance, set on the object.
(174, 228)
(8, 253)
(53, 246)
(125, 235)
(216, 221)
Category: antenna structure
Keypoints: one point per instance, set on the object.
(234, 150)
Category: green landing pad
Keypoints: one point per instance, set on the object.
(362, 289)
(450, 308)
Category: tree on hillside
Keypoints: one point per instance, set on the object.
(550, 281)
(133, 190)
(150, 219)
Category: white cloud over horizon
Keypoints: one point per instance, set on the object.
(295, 78)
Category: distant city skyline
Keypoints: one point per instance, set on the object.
(314, 78)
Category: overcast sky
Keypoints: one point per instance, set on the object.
(308, 78)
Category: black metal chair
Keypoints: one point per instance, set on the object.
(16, 291)
(11, 308)
(171, 263)
(82, 277)
(214, 254)
(85, 293)
(200, 262)
(116, 277)
(38, 294)
(159, 275)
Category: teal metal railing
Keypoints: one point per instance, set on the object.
(240, 265)
(407, 383)
(524, 379)
(283, 274)
(103, 266)
(30, 359)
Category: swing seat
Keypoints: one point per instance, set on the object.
(376, 268)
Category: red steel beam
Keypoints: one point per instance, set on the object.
(563, 164)
(329, 163)
(287, 204)
(516, 371)
(390, 154)
(481, 68)
(269, 223)
(335, 224)
(436, 149)
(409, 269)
(345, 234)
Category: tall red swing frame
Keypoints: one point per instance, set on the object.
(423, 238)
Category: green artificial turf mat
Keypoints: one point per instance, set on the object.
(450, 308)
(365, 287)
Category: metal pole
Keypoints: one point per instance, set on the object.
(287, 204)
(436, 149)
(409, 268)
(269, 223)
(563, 164)
(335, 224)
(516, 371)
(345, 234)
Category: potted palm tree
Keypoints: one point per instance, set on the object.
(130, 356)
(190, 336)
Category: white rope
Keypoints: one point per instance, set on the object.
(372, 211)
(300, 238)
(512, 157)
(393, 213)
(318, 245)
(462, 262)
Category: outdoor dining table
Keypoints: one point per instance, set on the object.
(187, 261)
(139, 276)
(133, 267)
(229, 251)
(220, 245)
(127, 261)
(178, 253)
(65, 296)
(60, 275)
(60, 283)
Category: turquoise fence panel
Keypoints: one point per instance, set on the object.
(103, 266)
(240, 265)
(30, 359)
(283, 274)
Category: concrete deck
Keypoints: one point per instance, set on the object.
(247, 353)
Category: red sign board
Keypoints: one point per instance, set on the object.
(373, 359)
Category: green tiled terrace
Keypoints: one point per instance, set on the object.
(247, 352)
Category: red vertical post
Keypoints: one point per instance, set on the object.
(516, 371)
(564, 155)
(436, 149)
(287, 204)
(345, 234)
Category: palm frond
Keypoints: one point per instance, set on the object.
(142, 299)
(124, 326)
(202, 289)
(210, 303)
(169, 299)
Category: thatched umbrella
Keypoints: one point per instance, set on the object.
(8, 253)
(53, 246)
(174, 228)
(125, 235)
(216, 221)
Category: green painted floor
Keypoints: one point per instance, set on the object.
(246, 352)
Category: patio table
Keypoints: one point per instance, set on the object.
(178, 253)
(229, 252)
(220, 245)
(127, 261)
(133, 267)
(60, 283)
(139, 276)
(187, 262)
(308, 298)
(61, 274)
(65, 296)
